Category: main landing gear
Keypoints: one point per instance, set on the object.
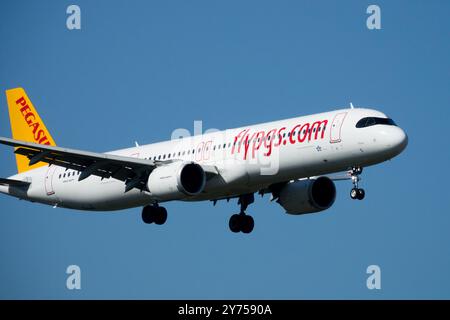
(356, 192)
(154, 214)
(242, 222)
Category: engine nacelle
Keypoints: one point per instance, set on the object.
(307, 196)
(176, 181)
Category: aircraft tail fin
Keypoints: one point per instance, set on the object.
(26, 125)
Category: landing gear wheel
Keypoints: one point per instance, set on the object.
(242, 222)
(235, 223)
(361, 194)
(357, 193)
(154, 214)
(247, 224)
(160, 216)
(147, 214)
(354, 193)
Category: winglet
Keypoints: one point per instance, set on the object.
(26, 125)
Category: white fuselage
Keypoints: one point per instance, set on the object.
(246, 159)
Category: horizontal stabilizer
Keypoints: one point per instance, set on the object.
(13, 183)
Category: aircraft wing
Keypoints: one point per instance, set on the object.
(132, 171)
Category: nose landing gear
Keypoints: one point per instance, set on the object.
(356, 192)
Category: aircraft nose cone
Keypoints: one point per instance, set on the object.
(398, 140)
(392, 140)
(401, 140)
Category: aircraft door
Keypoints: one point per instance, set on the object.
(49, 189)
(336, 126)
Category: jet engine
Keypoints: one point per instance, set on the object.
(176, 181)
(307, 196)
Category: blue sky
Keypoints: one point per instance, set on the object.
(138, 70)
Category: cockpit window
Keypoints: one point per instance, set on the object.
(371, 121)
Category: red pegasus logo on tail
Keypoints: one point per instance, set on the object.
(30, 118)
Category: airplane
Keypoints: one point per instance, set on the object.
(293, 160)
